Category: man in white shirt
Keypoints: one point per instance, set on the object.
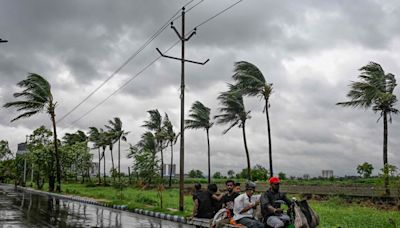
(244, 206)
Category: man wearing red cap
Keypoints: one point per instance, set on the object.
(270, 209)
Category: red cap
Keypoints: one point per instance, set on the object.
(274, 180)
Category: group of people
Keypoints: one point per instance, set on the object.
(232, 207)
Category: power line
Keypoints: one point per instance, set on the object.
(151, 63)
(124, 85)
(154, 36)
(219, 13)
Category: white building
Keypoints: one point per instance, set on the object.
(167, 170)
(327, 173)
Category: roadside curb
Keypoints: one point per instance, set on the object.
(174, 218)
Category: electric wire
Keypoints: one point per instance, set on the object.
(154, 36)
(124, 85)
(152, 62)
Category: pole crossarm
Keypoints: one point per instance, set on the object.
(186, 60)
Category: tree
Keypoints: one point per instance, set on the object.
(375, 89)
(75, 155)
(217, 175)
(200, 119)
(94, 136)
(40, 155)
(38, 98)
(282, 175)
(171, 137)
(251, 81)
(235, 114)
(143, 153)
(195, 173)
(231, 173)
(365, 169)
(155, 125)
(258, 173)
(5, 151)
(118, 134)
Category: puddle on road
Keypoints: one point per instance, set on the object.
(21, 209)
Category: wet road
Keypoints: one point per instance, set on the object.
(23, 209)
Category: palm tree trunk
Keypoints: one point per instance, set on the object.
(58, 168)
(112, 163)
(385, 156)
(246, 150)
(104, 166)
(119, 160)
(170, 167)
(271, 172)
(209, 164)
(99, 175)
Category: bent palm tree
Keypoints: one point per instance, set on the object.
(115, 128)
(251, 82)
(38, 98)
(171, 137)
(234, 113)
(200, 119)
(375, 89)
(155, 125)
(94, 136)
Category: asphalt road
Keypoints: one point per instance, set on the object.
(22, 209)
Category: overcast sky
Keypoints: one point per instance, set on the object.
(309, 50)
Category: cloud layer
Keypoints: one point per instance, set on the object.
(309, 50)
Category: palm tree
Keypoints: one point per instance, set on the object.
(375, 89)
(109, 138)
(144, 155)
(38, 98)
(171, 137)
(94, 136)
(155, 125)
(251, 82)
(116, 129)
(200, 119)
(234, 113)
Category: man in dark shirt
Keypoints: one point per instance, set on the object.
(229, 196)
(206, 205)
(271, 211)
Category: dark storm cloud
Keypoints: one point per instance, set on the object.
(310, 50)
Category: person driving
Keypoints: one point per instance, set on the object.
(270, 210)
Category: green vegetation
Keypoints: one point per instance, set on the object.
(334, 212)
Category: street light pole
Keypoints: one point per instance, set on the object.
(3, 41)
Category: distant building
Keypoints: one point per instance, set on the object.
(94, 169)
(167, 170)
(22, 148)
(327, 173)
(306, 176)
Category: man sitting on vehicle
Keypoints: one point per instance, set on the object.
(244, 206)
(270, 209)
(227, 200)
(197, 191)
(205, 207)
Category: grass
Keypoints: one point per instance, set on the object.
(334, 212)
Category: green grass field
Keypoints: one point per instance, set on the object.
(334, 212)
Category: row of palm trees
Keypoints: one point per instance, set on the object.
(375, 89)
(102, 139)
(249, 81)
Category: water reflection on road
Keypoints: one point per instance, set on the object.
(22, 209)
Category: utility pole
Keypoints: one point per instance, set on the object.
(183, 60)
